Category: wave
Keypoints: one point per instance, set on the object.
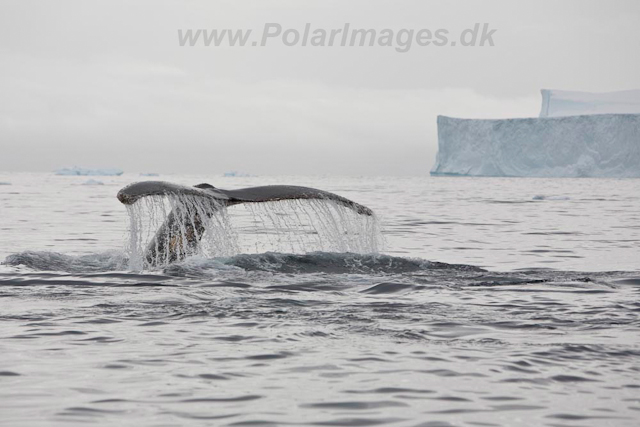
(316, 262)
(372, 274)
(55, 261)
(274, 262)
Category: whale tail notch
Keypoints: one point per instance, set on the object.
(168, 243)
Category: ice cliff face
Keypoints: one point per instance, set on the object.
(557, 103)
(606, 145)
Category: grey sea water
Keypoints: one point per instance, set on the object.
(494, 302)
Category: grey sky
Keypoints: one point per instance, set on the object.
(106, 84)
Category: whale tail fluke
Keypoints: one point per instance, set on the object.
(266, 193)
(182, 231)
(270, 193)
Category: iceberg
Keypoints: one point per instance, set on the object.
(89, 172)
(553, 198)
(605, 145)
(93, 182)
(558, 103)
(236, 174)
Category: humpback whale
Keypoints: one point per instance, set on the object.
(188, 224)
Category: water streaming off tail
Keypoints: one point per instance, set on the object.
(164, 229)
(301, 226)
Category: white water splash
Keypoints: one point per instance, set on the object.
(293, 226)
(303, 226)
(204, 218)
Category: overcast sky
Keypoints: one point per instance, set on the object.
(107, 84)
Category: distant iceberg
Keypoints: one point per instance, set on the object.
(93, 182)
(236, 174)
(89, 172)
(556, 198)
(558, 103)
(150, 174)
(606, 145)
(4, 183)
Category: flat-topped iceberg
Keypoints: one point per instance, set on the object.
(557, 103)
(93, 182)
(236, 174)
(89, 172)
(606, 145)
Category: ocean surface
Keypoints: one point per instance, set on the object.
(491, 302)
